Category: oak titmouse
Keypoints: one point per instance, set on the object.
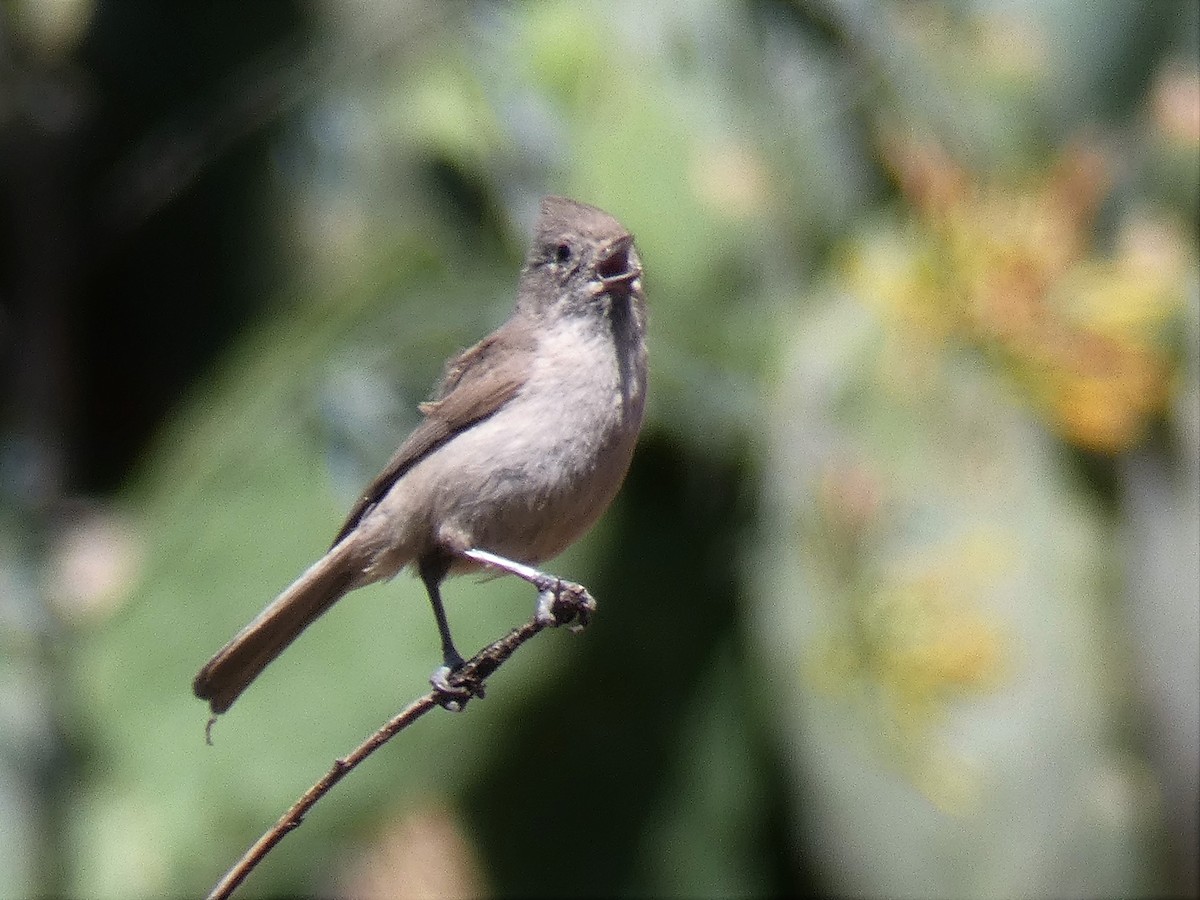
(523, 447)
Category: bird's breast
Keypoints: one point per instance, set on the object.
(529, 480)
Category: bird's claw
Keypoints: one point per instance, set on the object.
(564, 603)
(454, 690)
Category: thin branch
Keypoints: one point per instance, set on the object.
(467, 682)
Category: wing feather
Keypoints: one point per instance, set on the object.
(476, 383)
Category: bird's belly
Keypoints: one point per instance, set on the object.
(530, 480)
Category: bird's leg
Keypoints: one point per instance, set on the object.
(433, 569)
(559, 601)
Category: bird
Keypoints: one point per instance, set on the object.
(525, 442)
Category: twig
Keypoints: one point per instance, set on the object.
(467, 682)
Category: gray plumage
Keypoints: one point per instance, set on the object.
(525, 443)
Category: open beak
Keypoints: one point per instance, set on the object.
(617, 264)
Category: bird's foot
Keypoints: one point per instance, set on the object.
(563, 603)
(453, 687)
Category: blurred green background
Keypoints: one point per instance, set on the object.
(901, 597)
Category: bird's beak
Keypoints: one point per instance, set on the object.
(617, 264)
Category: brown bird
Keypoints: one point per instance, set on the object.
(526, 442)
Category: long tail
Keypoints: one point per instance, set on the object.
(239, 662)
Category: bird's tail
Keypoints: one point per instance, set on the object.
(239, 662)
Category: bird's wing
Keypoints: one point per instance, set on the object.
(476, 384)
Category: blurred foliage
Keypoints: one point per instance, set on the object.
(902, 594)
(1008, 270)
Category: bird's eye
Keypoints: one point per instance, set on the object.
(562, 253)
